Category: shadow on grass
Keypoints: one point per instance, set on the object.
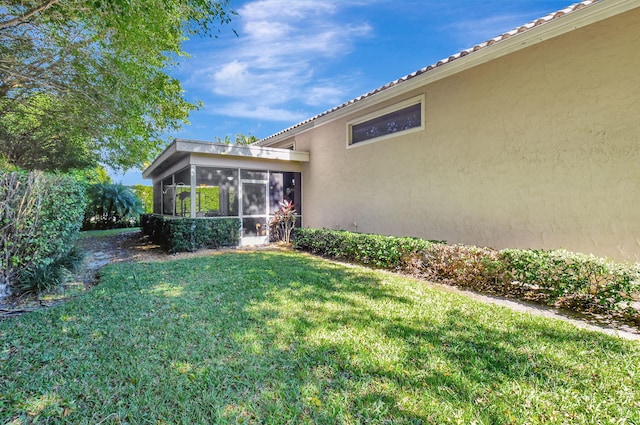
(271, 337)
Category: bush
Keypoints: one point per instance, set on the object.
(282, 223)
(380, 251)
(191, 234)
(40, 218)
(576, 281)
(48, 276)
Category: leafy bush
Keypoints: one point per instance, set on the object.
(47, 276)
(381, 251)
(191, 234)
(40, 217)
(576, 281)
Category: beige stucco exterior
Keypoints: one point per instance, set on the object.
(537, 148)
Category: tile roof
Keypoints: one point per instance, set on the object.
(540, 21)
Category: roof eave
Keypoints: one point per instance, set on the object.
(226, 150)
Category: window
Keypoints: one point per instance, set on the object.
(182, 181)
(216, 192)
(157, 198)
(168, 193)
(404, 117)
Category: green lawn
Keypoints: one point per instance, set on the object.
(278, 337)
(109, 232)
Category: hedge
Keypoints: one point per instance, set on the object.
(190, 234)
(40, 219)
(576, 281)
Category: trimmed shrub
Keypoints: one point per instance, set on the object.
(469, 267)
(380, 251)
(40, 218)
(576, 281)
(190, 234)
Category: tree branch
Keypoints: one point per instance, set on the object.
(24, 18)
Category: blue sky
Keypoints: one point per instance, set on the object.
(292, 59)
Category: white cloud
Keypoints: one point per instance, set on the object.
(277, 61)
(256, 111)
(324, 95)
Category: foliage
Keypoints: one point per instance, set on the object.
(145, 195)
(40, 216)
(110, 206)
(92, 175)
(191, 234)
(90, 78)
(48, 276)
(576, 281)
(208, 199)
(376, 250)
(33, 142)
(282, 223)
(277, 337)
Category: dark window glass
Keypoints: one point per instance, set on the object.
(254, 226)
(157, 198)
(182, 181)
(284, 186)
(393, 122)
(254, 199)
(168, 192)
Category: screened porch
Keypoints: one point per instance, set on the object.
(211, 181)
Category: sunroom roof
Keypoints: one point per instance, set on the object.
(180, 148)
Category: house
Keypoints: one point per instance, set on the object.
(528, 140)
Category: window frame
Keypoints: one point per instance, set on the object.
(386, 111)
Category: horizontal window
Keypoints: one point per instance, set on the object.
(390, 121)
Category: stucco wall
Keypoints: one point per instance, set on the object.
(538, 149)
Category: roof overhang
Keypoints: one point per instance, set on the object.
(181, 148)
(511, 42)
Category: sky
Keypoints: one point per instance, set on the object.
(280, 62)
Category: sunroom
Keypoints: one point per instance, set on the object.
(211, 181)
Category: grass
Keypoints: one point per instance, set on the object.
(277, 337)
(108, 232)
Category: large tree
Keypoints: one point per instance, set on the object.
(89, 77)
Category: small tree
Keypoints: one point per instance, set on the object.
(282, 222)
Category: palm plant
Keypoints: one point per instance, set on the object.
(111, 205)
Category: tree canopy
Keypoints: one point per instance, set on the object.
(86, 80)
